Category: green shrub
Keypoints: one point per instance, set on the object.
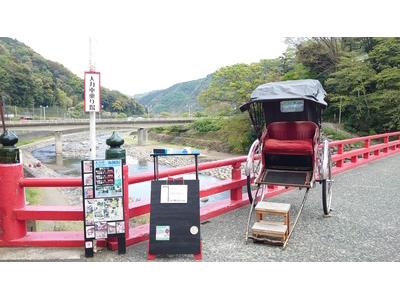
(157, 129)
(207, 125)
(176, 129)
(199, 114)
(335, 134)
(238, 132)
(173, 129)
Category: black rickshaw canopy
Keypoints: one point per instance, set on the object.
(307, 89)
(292, 100)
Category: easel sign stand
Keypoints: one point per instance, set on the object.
(103, 203)
(174, 211)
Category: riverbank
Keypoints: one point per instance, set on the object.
(76, 148)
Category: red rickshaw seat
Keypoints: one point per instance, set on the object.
(291, 138)
(295, 147)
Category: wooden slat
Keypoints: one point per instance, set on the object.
(269, 229)
(273, 207)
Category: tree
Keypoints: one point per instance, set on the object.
(118, 105)
(27, 79)
(350, 88)
(386, 54)
(320, 56)
(232, 86)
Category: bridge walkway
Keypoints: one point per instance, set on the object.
(365, 226)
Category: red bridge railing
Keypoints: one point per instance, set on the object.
(14, 213)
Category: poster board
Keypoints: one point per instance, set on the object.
(174, 217)
(103, 202)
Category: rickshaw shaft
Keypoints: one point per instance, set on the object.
(297, 218)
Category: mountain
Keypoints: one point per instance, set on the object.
(175, 99)
(27, 79)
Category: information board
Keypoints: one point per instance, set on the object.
(103, 203)
(174, 218)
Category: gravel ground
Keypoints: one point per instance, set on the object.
(364, 226)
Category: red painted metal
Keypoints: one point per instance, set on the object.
(236, 194)
(339, 163)
(14, 213)
(51, 182)
(12, 196)
(126, 200)
(56, 213)
(366, 145)
(235, 186)
(187, 169)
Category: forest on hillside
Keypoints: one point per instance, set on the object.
(29, 80)
(179, 98)
(360, 75)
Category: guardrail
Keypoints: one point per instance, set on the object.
(14, 213)
(134, 121)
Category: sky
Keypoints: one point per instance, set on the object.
(140, 46)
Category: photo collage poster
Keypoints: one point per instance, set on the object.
(103, 199)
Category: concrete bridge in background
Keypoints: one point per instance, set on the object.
(62, 125)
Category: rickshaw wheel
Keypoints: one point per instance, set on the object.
(253, 170)
(254, 194)
(327, 181)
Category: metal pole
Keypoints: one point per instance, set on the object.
(2, 114)
(92, 114)
(92, 135)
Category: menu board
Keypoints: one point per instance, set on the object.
(103, 204)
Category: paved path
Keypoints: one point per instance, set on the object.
(365, 225)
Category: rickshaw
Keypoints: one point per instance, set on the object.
(286, 117)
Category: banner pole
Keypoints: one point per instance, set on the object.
(92, 134)
(92, 114)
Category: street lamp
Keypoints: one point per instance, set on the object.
(188, 106)
(44, 111)
(148, 110)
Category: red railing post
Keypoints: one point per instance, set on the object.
(366, 146)
(126, 199)
(386, 141)
(236, 193)
(12, 196)
(398, 145)
(339, 163)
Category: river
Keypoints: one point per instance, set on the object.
(137, 192)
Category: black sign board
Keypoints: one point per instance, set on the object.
(103, 202)
(174, 215)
